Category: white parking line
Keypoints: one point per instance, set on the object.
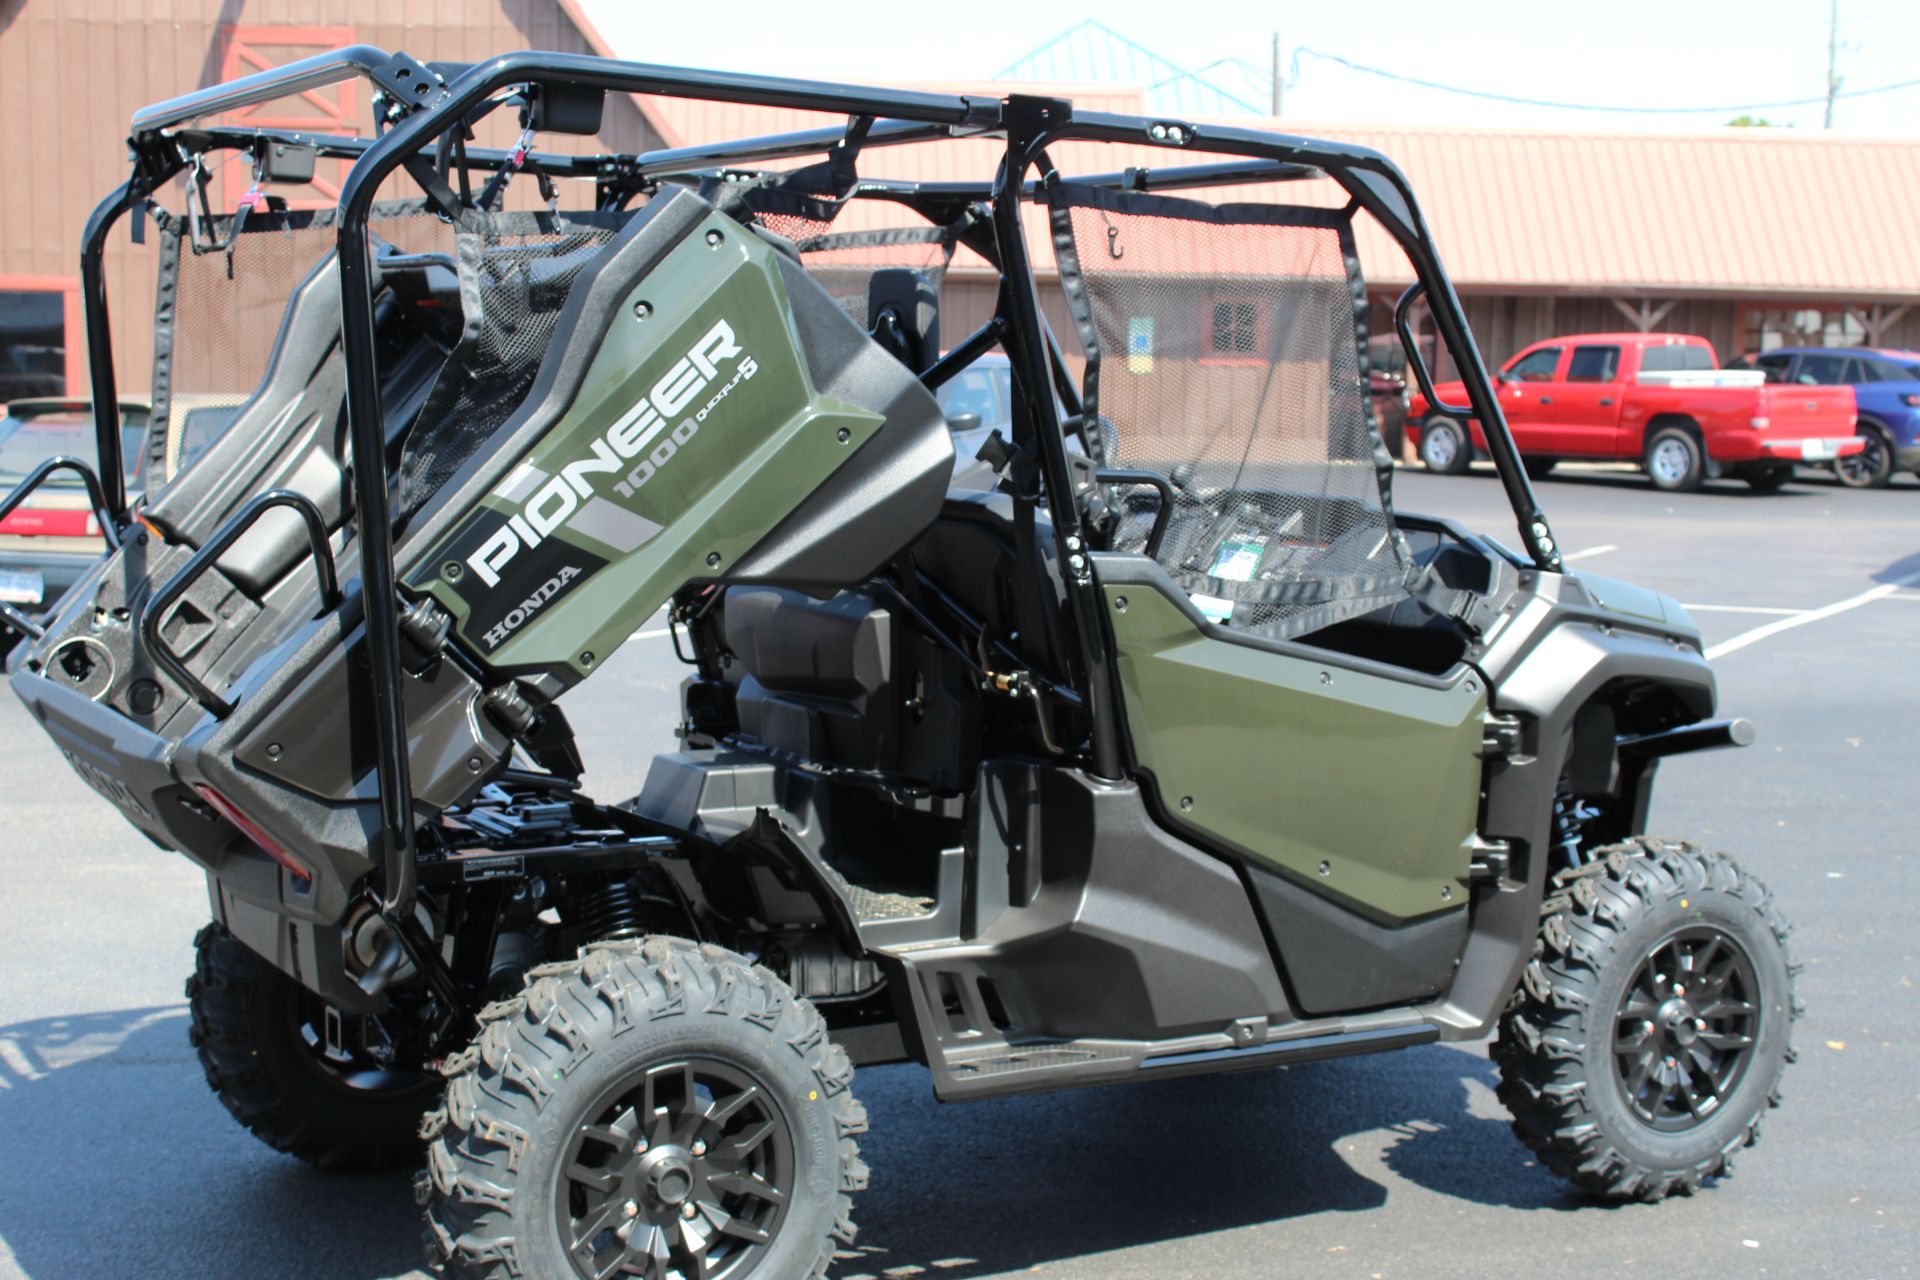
(1590, 552)
(1760, 633)
(1742, 608)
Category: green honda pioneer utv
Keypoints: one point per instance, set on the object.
(1171, 747)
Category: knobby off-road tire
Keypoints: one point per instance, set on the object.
(1562, 1074)
(620, 1089)
(251, 1023)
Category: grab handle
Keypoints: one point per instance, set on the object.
(216, 546)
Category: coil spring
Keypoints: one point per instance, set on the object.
(1570, 819)
(610, 910)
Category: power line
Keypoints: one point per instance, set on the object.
(1348, 63)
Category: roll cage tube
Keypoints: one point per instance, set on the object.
(1030, 121)
(365, 425)
(103, 389)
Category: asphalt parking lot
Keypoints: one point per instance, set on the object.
(116, 1161)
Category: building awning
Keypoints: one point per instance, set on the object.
(1763, 213)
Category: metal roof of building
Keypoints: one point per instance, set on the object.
(1757, 212)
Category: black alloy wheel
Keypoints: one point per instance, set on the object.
(1650, 1029)
(654, 1109)
(1686, 1028)
(685, 1172)
(1872, 467)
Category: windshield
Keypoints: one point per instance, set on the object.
(29, 440)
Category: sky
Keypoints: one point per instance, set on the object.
(1635, 54)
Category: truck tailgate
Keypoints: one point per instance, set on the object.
(1807, 412)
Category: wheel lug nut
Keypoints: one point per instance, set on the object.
(632, 1209)
(1679, 990)
(1699, 1024)
(700, 1148)
(640, 1147)
(687, 1210)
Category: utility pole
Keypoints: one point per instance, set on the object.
(1833, 60)
(1276, 75)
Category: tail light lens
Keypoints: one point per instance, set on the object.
(251, 830)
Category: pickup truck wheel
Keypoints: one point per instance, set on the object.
(1872, 467)
(1444, 447)
(1651, 1027)
(1675, 461)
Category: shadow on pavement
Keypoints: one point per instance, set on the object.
(119, 1162)
(991, 1187)
(106, 1117)
(1902, 570)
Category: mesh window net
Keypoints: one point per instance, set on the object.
(1226, 349)
(845, 262)
(515, 271)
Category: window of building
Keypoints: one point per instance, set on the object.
(1536, 366)
(40, 341)
(1593, 364)
(1235, 329)
(1768, 327)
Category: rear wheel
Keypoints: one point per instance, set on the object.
(1872, 467)
(1444, 447)
(652, 1109)
(1675, 461)
(296, 1073)
(1650, 1029)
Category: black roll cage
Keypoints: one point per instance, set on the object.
(415, 105)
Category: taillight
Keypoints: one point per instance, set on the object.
(252, 831)
(1911, 399)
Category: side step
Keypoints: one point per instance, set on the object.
(973, 1055)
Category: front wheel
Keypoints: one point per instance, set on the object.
(651, 1109)
(1675, 461)
(1652, 1025)
(1444, 447)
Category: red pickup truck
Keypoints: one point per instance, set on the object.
(1658, 399)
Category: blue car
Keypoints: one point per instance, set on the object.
(1887, 386)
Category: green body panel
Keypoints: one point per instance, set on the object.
(1298, 763)
(748, 445)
